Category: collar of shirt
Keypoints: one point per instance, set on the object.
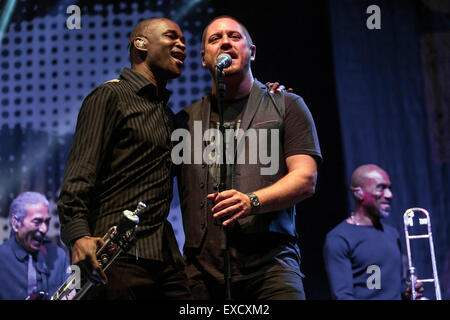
(20, 253)
(141, 85)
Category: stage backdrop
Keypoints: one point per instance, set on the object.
(50, 63)
(393, 90)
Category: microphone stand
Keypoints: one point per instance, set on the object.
(220, 96)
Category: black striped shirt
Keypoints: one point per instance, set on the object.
(120, 155)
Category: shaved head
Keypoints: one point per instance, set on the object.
(371, 188)
(157, 49)
(144, 27)
(361, 174)
(140, 30)
(244, 29)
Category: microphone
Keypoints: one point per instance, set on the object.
(223, 61)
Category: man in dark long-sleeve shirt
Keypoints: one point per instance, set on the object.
(362, 254)
(120, 155)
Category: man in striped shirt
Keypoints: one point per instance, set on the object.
(120, 155)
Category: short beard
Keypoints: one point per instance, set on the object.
(384, 214)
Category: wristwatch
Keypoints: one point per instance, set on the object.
(254, 201)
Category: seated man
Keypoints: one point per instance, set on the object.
(30, 267)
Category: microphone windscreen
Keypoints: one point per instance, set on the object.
(223, 61)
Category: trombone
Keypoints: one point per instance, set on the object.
(423, 219)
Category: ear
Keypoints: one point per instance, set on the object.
(202, 54)
(358, 193)
(252, 52)
(15, 223)
(140, 44)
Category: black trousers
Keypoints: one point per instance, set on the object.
(272, 285)
(143, 279)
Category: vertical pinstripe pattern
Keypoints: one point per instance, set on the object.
(120, 155)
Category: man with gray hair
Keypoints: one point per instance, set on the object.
(30, 266)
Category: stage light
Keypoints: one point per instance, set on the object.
(6, 16)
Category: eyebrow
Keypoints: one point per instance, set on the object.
(175, 32)
(227, 32)
(384, 185)
(41, 219)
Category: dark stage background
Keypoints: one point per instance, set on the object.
(377, 96)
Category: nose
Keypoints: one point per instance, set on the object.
(226, 43)
(43, 228)
(181, 45)
(388, 193)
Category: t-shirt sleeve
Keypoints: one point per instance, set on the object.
(300, 134)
